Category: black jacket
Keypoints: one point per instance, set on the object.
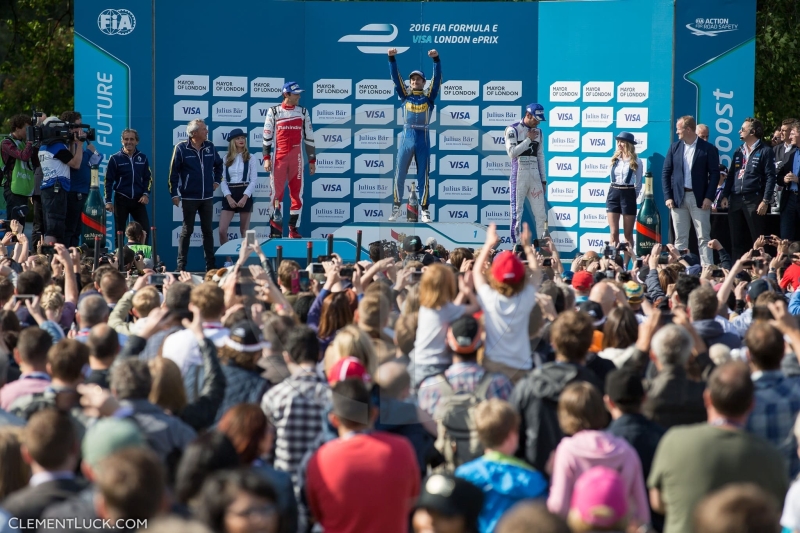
(536, 399)
(30, 502)
(643, 435)
(673, 399)
(759, 175)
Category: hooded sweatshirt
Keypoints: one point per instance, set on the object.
(504, 481)
(712, 332)
(536, 399)
(587, 449)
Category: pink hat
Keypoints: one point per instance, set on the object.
(347, 368)
(507, 268)
(599, 497)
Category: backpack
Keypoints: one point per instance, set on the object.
(457, 438)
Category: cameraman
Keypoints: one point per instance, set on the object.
(58, 157)
(16, 167)
(80, 179)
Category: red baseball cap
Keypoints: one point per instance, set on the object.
(507, 268)
(582, 281)
(347, 368)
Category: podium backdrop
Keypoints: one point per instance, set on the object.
(597, 67)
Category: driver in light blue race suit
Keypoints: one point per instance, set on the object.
(525, 147)
(417, 108)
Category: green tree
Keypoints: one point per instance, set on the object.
(777, 85)
(36, 57)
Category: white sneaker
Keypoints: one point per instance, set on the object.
(395, 213)
(425, 216)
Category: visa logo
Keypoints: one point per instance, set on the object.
(498, 140)
(263, 211)
(373, 213)
(596, 242)
(374, 163)
(564, 166)
(597, 142)
(331, 187)
(324, 235)
(633, 117)
(376, 114)
(563, 216)
(422, 39)
(332, 138)
(564, 116)
(597, 192)
(191, 110)
(263, 112)
(460, 115)
(500, 190)
(459, 164)
(458, 214)
(505, 240)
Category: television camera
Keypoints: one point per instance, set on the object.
(57, 131)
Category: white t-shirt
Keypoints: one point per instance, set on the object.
(430, 347)
(506, 325)
(182, 346)
(790, 519)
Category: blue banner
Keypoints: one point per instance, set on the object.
(496, 58)
(715, 67)
(592, 93)
(114, 77)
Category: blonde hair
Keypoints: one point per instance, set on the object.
(626, 149)
(437, 286)
(167, 390)
(52, 298)
(350, 341)
(411, 303)
(145, 300)
(232, 152)
(495, 420)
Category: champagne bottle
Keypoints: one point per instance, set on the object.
(648, 221)
(94, 212)
(412, 209)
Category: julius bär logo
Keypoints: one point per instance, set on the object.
(116, 22)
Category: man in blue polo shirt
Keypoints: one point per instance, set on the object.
(57, 157)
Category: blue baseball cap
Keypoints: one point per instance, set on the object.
(418, 73)
(537, 111)
(292, 87)
(626, 136)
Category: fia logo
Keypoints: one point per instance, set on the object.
(116, 21)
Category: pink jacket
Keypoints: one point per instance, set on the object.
(586, 449)
(21, 387)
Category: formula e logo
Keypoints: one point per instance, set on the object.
(374, 33)
(116, 21)
(711, 27)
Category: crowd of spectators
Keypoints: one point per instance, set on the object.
(426, 390)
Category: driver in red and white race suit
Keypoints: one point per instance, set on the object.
(287, 127)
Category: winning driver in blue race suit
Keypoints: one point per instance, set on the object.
(417, 108)
(524, 145)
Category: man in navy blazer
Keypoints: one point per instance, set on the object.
(689, 180)
(787, 176)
